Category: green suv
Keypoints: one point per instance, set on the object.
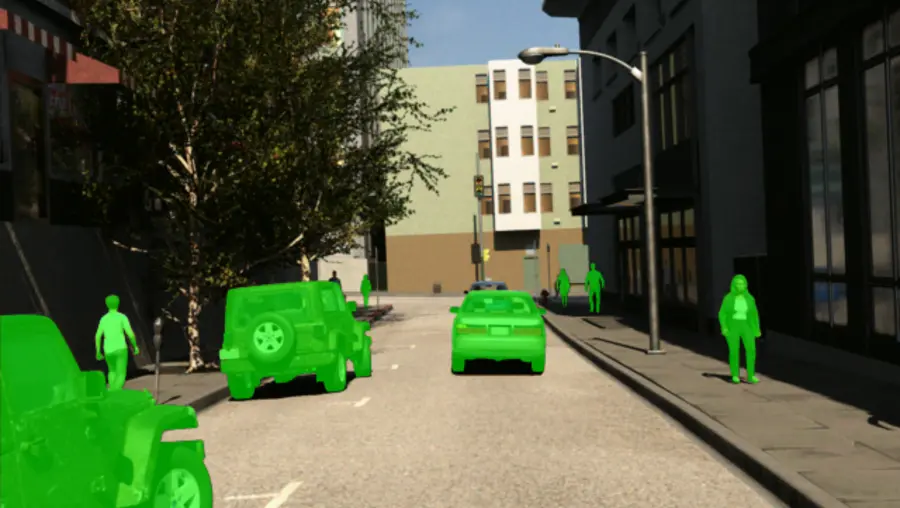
(287, 330)
(67, 441)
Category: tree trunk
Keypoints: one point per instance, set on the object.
(305, 268)
(192, 328)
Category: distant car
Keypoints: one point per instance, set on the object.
(287, 330)
(498, 325)
(486, 285)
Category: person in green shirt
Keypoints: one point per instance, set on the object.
(113, 328)
(739, 322)
(594, 284)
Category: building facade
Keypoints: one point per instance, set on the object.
(518, 126)
(704, 111)
(829, 74)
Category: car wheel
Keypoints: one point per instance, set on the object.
(537, 366)
(457, 365)
(180, 480)
(271, 338)
(240, 386)
(362, 366)
(335, 379)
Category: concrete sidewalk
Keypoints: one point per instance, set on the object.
(813, 436)
(204, 389)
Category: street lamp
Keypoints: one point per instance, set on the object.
(536, 55)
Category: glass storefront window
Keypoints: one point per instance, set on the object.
(690, 271)
(27, 150)
(71, 150)
(884, 311)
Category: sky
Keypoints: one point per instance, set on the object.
(464, 32)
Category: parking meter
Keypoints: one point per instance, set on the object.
(157, 343)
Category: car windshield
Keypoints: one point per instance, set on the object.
(30, 385)
(255, 303)
(332, 300)
(492, 303)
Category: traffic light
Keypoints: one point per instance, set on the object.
(479, 186)
(487, 255)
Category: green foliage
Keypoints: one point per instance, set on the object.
(265, 141)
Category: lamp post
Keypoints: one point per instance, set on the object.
(534, 56)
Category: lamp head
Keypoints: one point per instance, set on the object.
(536, 55)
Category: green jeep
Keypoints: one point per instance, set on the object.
(67, 441)
(287, 330)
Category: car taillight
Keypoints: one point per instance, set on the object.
(529, 330)
(464, 329)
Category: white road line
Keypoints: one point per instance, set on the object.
(395, 367)
(362, 402)
(284, 495)
(247, 497)
(413, 346)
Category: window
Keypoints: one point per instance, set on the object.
(487, 201)
(623, 110)
(481, 89)
(524, 83)
(571, 84)
(881, 79)
(505, 198)
(71, 146)
(674, 96)
(502, 141)
(823, 144)
(546, 197)
(574, 194)
(529, 200)
(527, 140)
(484, 144)
(612, 49)
(542, 89)
(27, 149)
(572, 139)
(500, 85)
(544, 142)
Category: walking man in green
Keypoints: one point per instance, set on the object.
(113, 327)
(593, 284)
(739, 321)
(562, 287)
(365, 288)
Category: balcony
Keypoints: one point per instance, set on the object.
(564, 8)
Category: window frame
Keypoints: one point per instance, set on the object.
(542, 85)
(482, 87)
(545, 141)
(525, 84)
(624, 114)
(487, 200)
(569, 140)
(570, 84)
(529, 190)
(546, 190)
(504, 190)
(572, 194)
(526, 139)
(498, 79)
(501, 135)
(485, 150)
(663, 81)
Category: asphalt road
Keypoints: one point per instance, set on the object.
(414, 435)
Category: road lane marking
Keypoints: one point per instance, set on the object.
(248, 497)
(284, 495)
(362, 402)
(395, 367)
(412, 346)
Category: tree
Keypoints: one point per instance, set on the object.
(242, 120)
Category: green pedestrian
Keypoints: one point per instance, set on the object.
(594, 284)
(739, 322)
(365, 288)
(111, 332)
(562, 286)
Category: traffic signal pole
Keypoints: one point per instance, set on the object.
(478, 200)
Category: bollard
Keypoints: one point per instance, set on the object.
(157, 343)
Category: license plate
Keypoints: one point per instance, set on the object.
(500, 330)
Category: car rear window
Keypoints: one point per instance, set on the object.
(492, 303)
(253, 304)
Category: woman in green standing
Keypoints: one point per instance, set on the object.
(563, 285)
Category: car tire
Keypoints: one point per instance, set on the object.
(335, 377)
(240, 386)
(271, 339)
(178, 464)
(457, 365)
(537, 366)
(362, 366)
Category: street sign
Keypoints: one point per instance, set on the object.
(479, 186)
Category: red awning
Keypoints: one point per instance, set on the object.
(67, 65)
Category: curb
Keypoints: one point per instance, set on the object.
(787, 485)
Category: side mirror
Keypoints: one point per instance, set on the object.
(542, 311)
(351, 306)
(454, 310)
(94, 384)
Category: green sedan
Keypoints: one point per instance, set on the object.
(498, 325)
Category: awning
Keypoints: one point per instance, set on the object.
(66, 65)
(632, 200)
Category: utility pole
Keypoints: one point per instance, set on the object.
(478, 200)
(377, 287)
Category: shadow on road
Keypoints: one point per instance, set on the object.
(303, 386)
(496, 368)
